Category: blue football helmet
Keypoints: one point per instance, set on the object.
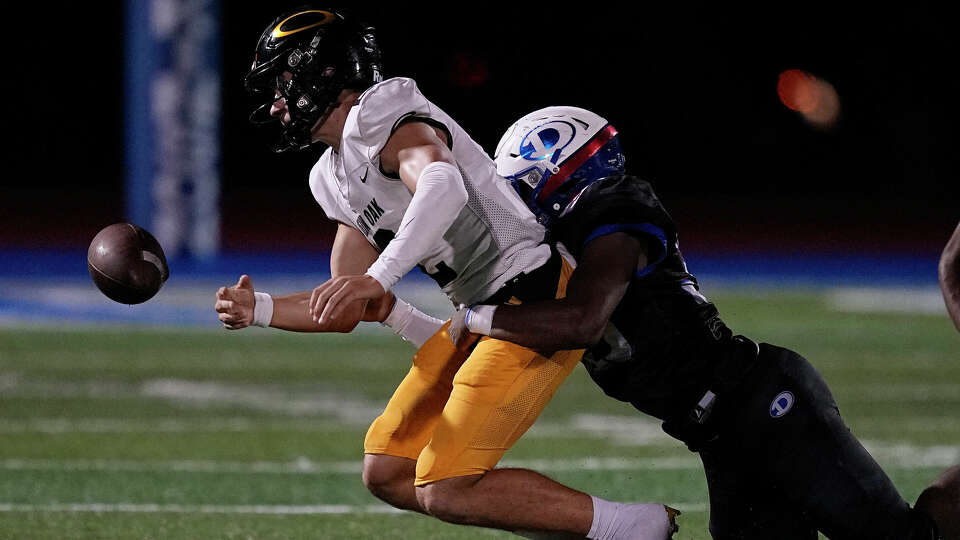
(551, 155)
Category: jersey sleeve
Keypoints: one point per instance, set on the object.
(618, 204)
(323, 187)
(384, 107)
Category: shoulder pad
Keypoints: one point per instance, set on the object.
(381, 108)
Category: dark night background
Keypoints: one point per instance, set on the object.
(691, 89)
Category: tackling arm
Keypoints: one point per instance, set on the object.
(607, 265)
(950, 276)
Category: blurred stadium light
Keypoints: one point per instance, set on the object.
(814, 98)
(172, 129)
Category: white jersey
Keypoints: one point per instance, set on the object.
(493, 239)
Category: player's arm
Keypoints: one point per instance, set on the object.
(606, 266)
(351, 254)
(419, 153)
(950, 276)
(240, 306)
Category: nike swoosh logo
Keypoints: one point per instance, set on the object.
(363, 178)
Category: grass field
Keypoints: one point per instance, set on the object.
(164, 433)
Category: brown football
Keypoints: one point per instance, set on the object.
(127, 263)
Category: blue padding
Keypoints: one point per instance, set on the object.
(807, 268)
(815, 269)
(646, 228)
(140, 62)
(72, 263)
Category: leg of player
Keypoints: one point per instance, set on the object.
(941, 501)
(497, 395)
(533, 505)
(505, 498)
(799, 455)
(390, 479)
(396, 438)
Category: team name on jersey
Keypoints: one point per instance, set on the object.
(369, 217)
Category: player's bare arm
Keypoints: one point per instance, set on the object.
(413, 146)
(413, 151)
(576, 321)
(950, 276)
(351, 253)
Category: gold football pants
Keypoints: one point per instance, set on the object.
(457, 412)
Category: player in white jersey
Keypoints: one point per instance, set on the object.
(472, 259)
(408, 186)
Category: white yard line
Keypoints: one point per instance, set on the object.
(915, 424)
(306, 466)
(909, 456)
(898, 456)
(313, 509)
(683, 461)
(626, 430)
(60, 426)
(914, 300)
(345, 407)
(633, 430)
(300, 466)
(896, 392)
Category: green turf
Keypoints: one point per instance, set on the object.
(214, 422)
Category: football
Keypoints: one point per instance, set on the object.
(127, 263)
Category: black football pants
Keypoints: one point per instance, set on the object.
(784, 468)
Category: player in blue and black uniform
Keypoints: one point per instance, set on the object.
(779, 461)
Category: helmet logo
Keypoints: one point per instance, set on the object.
(547, 141)
(280, 31)
(294, 58)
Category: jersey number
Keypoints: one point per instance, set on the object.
(443, 274)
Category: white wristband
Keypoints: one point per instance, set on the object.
(262, 309)
(479, 319)
(411, 324)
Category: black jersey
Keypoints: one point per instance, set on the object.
(663, 336)
(767, 466)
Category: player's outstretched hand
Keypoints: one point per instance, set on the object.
(328, 301)
(235, 304)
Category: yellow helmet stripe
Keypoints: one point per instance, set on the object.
(277, 32)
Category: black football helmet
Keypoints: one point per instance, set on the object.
(307, 57)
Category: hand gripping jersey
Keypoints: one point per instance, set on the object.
(493, 239)
(662, 336)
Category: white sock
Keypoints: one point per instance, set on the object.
(625, 521)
